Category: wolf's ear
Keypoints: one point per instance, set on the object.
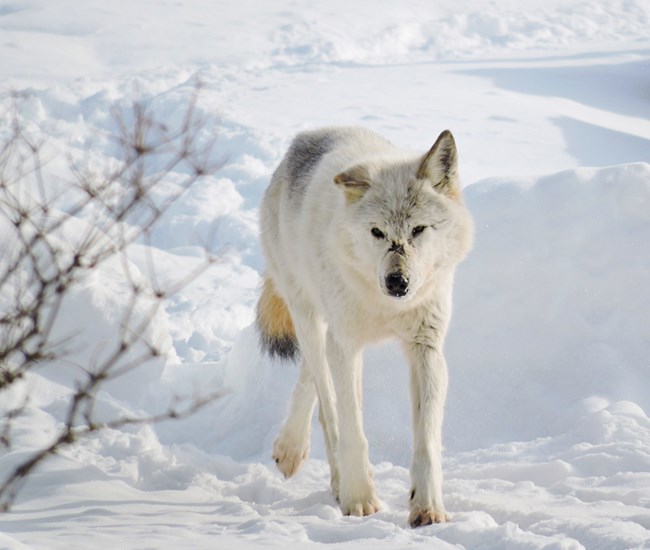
(440, 165)
(354, 182)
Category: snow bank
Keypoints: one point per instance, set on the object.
(179, 37)
(449, 32)
(552, 306)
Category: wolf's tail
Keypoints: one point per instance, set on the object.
(277, 333)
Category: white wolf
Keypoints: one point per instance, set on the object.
(362, 240)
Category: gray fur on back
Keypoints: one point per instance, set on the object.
(308, 149)
(304, 154)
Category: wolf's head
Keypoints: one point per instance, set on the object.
(405, 220)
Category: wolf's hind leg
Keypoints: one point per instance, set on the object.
(311, 332)
(330, 446)
(292, 445)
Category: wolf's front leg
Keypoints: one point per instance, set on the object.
(357, 489)
(428, 393)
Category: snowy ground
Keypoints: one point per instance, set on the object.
(547, 436)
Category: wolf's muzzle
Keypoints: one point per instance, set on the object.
(396, 284)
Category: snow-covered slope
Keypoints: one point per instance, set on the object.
(547, 436)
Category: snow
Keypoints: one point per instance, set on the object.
(547, 434)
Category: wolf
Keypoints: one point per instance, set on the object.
(361, 241)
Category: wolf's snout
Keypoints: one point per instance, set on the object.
(396, 284)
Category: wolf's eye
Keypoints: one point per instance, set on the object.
(377, 234)
(417, 230)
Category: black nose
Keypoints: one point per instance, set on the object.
(396, 284)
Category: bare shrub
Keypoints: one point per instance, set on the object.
(45, 251)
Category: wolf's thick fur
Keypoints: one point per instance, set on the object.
(362, 240)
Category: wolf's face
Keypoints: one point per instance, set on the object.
(405, 237)
(406, 221)
(405, 233)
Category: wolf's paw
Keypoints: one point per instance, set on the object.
(289, 454)
(420, 517)
(359, 502)
(364, 507)
(426, 509)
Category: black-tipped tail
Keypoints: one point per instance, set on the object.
(275, 326)
(285, 347)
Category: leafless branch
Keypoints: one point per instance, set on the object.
(40, 267)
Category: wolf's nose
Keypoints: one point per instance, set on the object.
(396, 284)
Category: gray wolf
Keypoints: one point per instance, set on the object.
(361, 241)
